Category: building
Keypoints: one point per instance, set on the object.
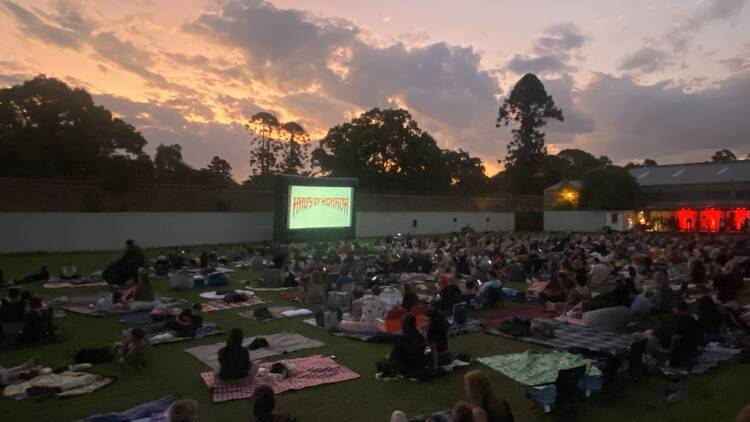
(706, 197)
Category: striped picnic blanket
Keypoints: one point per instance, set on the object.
(220, 305)
(308, 372)
(68, 284)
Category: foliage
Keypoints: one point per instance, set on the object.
(50, 130)
(645, 163)
(723, 156)
(387, 150)
(608, 188)
(295, 154)
(529, 107)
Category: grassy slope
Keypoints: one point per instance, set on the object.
(716, 396)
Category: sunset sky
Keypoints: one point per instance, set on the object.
(668, 80)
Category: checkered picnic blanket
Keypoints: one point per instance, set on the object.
(220, 305)
(308, 372)
(67, 284)
(580, 336)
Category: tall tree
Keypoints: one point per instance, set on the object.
(219, 168)
(264, 127)
(294, 155)
(528, 107)
(723, 156)
(168, 164)
(384, 149)
(48, 129)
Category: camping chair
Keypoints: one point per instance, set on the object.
(636, 359)
(568, 389)
(460, 313)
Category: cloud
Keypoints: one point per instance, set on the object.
(739, 62)
(551, 53)
(708, 11)
(32, 26)
(663, 120)
(647, 60)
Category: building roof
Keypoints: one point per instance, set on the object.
(693, 173)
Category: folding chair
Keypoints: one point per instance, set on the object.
(568, 389)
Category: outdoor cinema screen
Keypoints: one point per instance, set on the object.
(314, 209)
(318, 207)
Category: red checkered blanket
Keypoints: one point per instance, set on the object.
(220, 305)
(308, 372)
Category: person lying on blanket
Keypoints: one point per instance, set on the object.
(132, 351)
(42, 275)
(264, 404)
(110, 303)
(234, 360)
(25, 371)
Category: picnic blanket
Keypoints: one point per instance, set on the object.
(276, 313)
(308, 372)
(69, 383)
(67, 284)
(219, 294)
(220, 305)
(153, 411)
(277, 344)
(497, 318)
(711, 357)
(168, 337)
(362, 336)
(578, 336)
(532, 367)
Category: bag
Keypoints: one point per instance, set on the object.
(217, 279)
(94, 356)
(258, 343)
(517, 327)
(262, 313)
(281, 369)
(235, 297)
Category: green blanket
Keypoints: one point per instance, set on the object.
(531, 368)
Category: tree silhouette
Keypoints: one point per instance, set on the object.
(48, 129)
(220, 167)
(168, 164)
(723, 156)
(608, 188)
(528, 107)
(295, 152)
(264, 127)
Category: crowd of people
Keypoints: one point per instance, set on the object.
(685, 286)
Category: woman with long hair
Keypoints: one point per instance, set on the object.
(234, 359)
(481, 396)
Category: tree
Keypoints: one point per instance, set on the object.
(646, 163)
(608, 188)
(294, 156)
(466, 173)
(530, 107)
(168, 164)
(218, 171)
(723, 156)
(579, 162)
(48, 129)
(264, 126)
(384, 149)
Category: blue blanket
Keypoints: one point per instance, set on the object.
(153, 411)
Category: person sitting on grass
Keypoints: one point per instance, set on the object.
(25, 371)
(490, 291)
(183, 411)
(437, 339)
(264, 404)
(234, 360)
(69, 271)
(143, 292)
(37, 324)
(185, 325)
(132, 352)
(485, 405)
(42, 275)
(13, 307)
(408, 355)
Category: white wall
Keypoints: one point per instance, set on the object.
(584, 221)
(371, 224)
(73, 231)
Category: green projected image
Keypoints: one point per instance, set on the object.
(315, 207)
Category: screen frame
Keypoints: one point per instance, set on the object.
(281, 190)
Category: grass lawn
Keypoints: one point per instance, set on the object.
(716, 396)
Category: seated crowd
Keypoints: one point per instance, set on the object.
(417, 289)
